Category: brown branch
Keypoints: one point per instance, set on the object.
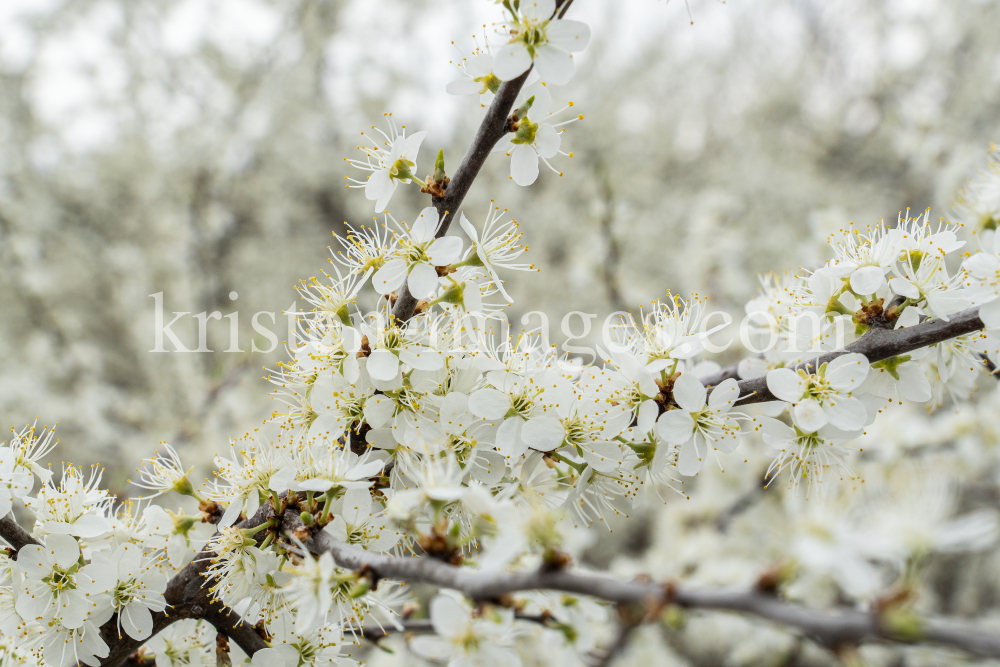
(828, 628)
(491, 130)
(188, 595)
(876, 344)
(14, 535)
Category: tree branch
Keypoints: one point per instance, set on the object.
(876, 344)
(188, 596)
(491, 130)
(14, 535)
(828, 628)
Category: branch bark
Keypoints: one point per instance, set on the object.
(876, 344)
(828, 628)
(14, 535)
(188, 596)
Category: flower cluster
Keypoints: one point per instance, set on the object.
(433, 430)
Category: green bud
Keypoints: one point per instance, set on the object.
(905, 624)
(673, 617)
(307, 518)
(183, 486)
(400, 170)
(490, 82)
(522, 110)
(344, 314)
(439, 166)
(363, 586)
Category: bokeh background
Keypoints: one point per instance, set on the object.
(196, 148)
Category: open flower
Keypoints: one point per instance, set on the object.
(697, 426)
(536, 37)
(806, 456)
(535, 140)
(464, 640)
(824, 397)
(418, 252)
(864, 257)
(391, 160)
(138, 591)
(56, 587)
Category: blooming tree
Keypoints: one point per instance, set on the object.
(424, 443)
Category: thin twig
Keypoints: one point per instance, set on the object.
(494, 126)
(828, 628)
(876, 344)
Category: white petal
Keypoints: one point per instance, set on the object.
(445, 250)
(379, 187)
(689, 462)
(448, 616)
(510, 61)
(389, 278)
(137, 621)
(785, 384)
(382, 365)
(423, 281)
(378, 410)
(723, 396)
(689, 392)
(509, 442)
(524, 165)
(990, 313)
(547, 141)
(489, 403)
(421, 358)
(411, 146)
(648, 412)
(543, 433)
(463, 86)
(866, 280)
(904, 288)
(469, 229)
(847, 414)
(554, 65)
(568, 35)
(675, 426)
(809, 416)
(847, 371)
(425, 226)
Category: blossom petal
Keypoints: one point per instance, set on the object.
(847, 371)
(689, 392)
(445, 250)
(543, 433)
(867, 280)
(547, 141)
(423, 281)
(847, 414)
(383, 365)
(554, 65)
(524, 165)
(463, 86)
(510, 61)
(568, 35)
(809, 415)
(489, 403)
(509, 441)
(723, 396)
(425, 226)
(785, 384)
(689, 461)
(675, 426)
(389, 278)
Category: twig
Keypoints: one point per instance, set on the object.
(877, 344)
(491, 130)
(14, 535)
(828, 628)
(620, 643)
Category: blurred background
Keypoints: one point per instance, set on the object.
(195, 148)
